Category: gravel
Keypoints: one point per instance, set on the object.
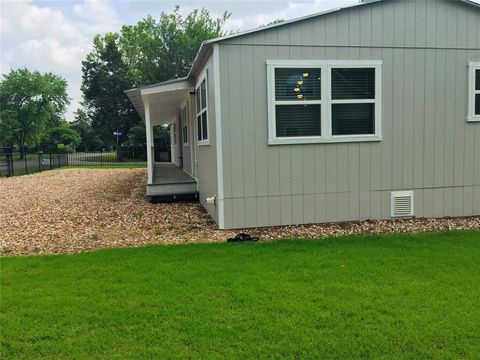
(75, 210)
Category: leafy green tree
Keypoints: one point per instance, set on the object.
(137, 136)
(89, 140)
(276, 21)
(61, 137)
(164, 49)
(151, 51)
(105, 77)
(29, 102)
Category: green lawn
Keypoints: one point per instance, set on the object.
(390, 297)
(109, 158)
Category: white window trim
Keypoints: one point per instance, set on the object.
(184, 124)
(472, 92)
(326, 123)
(205, 110)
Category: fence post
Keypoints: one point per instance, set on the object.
(9, 156)
(39, 161)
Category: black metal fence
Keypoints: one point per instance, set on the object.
(13, 162)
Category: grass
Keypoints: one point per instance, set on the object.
(109, 157)
(391, 297)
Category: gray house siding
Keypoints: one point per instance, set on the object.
(207, 154)
(427, 144)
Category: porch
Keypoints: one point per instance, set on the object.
(161, 105)
(171, 181)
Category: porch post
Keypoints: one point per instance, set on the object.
(149, 132)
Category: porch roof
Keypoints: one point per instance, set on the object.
(164, 99)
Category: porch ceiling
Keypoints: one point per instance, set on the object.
(165, 99)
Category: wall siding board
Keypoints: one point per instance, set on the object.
(247, 121)
(429, 122)
(262, 210)
(399, 27)
(408, 118)
(419, 117)
(365, 27)
(226, 132)
(439, 128)
(308, 169)
(427, 144)
(471, 25)
(250, 212)
(387, 118)
(236, 134)
(377, 25)
(431, 24)
(441, 29)
(260, 127)
(354, 166)
(420, 23)
(398, 116)
(450, 106)
(388, 29)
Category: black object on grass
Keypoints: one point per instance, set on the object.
(242, 237)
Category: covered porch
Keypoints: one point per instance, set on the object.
(170, 180)
(161, 105)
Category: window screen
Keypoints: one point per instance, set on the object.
(477, 79)
(202, 113)
(353, 119)
(297, 84)
(297, 102)
(477, 95)
(350, 83)
(357, 85)
(298, 120)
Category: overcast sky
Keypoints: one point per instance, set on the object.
(56, 35)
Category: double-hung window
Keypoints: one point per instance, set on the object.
(323, 101)
(474, 92)
(202, 110)
(183, 116)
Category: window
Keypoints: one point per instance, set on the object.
(202, 111)
(184, 119)
(474, 93)
(323, 101)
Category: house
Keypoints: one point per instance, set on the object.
(366, 112)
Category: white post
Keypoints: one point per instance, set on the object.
(149, 132)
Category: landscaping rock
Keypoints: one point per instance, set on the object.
(75, 210)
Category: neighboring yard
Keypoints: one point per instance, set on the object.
(391, 297)
(73, 210)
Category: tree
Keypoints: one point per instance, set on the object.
(274, 22)
(61, 137)
(89, 140)
(105, 77)
(29, 102)
(164, 49)
(148, 52)
(137, 136)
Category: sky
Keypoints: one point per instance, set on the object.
(56, 36)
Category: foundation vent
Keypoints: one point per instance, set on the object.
(402, 203)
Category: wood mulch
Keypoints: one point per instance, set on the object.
(75, 210)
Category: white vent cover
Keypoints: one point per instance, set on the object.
(402, 203)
